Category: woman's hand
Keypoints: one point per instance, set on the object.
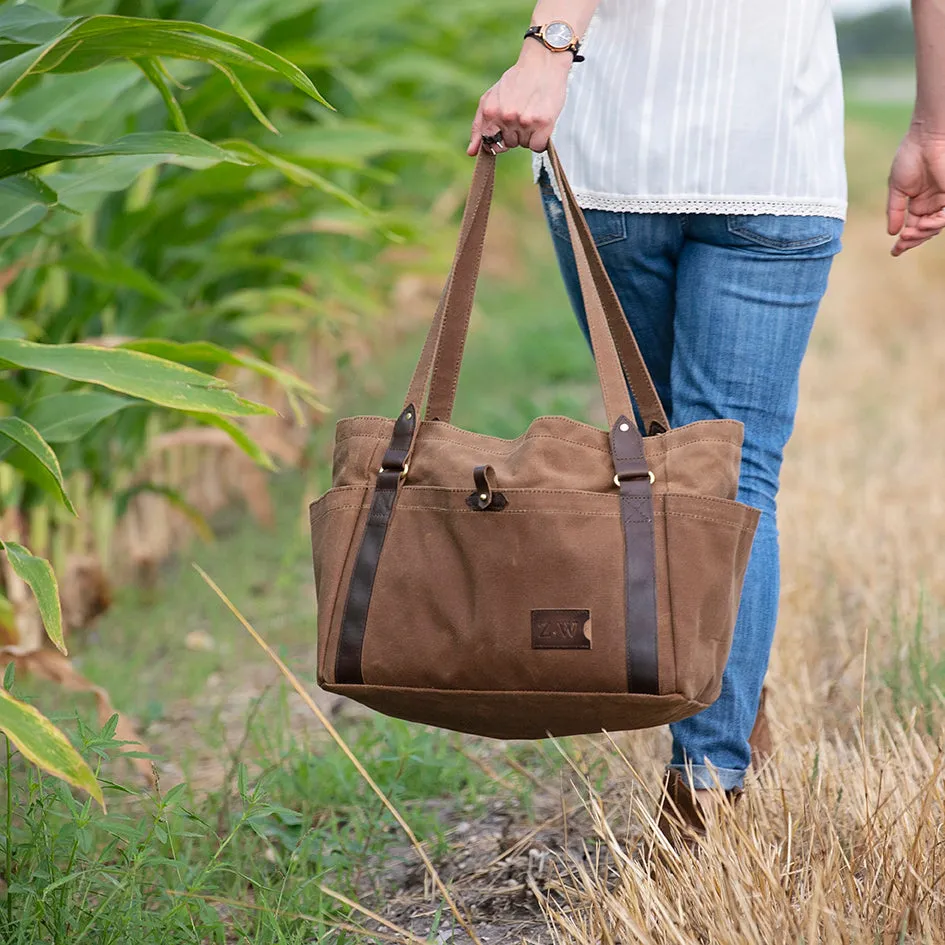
(916, 208)
(525, 103)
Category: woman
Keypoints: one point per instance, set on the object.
(704, 139)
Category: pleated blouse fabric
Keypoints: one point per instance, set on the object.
(707, 106)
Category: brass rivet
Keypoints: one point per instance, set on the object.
(483, 496)
(408, 415)
(624, 427)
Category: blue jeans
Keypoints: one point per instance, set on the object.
(722, 308)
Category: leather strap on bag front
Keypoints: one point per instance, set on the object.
(636, 515)
(361, 587)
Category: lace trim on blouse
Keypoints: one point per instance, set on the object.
(680, 203)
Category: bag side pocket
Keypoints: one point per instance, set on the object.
(708, 541)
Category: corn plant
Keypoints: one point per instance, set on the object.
(56, 390)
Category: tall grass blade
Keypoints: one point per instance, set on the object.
(343, 745)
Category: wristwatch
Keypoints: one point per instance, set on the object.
(557, 36)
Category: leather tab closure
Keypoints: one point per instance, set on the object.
(486, 498)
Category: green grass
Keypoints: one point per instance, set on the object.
(242, 854)
(915, 678)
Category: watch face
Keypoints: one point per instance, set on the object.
(558, 35)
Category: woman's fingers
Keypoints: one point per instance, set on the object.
(931, 222)
(918, 229)
(475, 138)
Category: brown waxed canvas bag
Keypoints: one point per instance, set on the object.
(568, 581)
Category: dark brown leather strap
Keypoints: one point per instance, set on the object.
(636, 514)
(361, 586)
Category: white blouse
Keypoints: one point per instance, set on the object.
(707, 106)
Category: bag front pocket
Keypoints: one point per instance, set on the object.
(529, 597)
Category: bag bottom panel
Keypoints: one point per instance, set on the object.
(527, 715)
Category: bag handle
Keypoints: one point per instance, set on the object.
(441, 358)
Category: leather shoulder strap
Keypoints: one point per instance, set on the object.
(441, 359)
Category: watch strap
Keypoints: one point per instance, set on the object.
(535, 33)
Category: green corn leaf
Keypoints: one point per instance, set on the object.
(130, 372)
(64, 418)
(155, 75)
(111, 269)
(38, 574)
(293, 171)
(86, 185)
(64, 104)
(83, 44)
(24, 202)
(45, 745)
(206, 352)
(49, 150)
(247, 99)
(24, 23)
(17, 431)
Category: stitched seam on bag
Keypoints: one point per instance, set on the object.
(523, 491)
(333, 491)
(512, 444)
(502, 447)
(527, 490)
(485, 436)
(347, 421)
(704, 498)
(562, 511)
(679, 446)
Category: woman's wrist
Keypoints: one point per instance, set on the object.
(926, 128)
(535, 55)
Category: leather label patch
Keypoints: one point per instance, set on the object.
(561, 629)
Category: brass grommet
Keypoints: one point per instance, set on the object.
(650, 474)
(403, 472)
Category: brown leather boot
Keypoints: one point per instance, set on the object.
(681, 818)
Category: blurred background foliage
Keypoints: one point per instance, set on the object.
(277, 236)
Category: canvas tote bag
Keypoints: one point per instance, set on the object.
(570, 580)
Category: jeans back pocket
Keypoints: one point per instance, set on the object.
(784, 233)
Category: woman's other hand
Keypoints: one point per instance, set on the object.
(526, 102)
(916, 208)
